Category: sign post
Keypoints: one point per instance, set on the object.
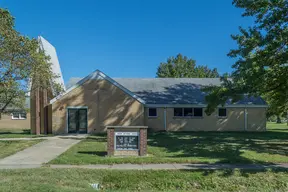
(127, 140)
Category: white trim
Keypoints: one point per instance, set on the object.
(245, 119)
(156, 112)
(19, 116)
(77, 107)
(201, 106)
(98, 75)
(165, 119)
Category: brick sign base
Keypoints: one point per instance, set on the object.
(142, 140)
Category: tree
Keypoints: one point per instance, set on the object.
(261, 67)
(179, 67)
(21, 61)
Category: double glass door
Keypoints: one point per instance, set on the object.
(77, 120)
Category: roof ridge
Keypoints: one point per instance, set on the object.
(94, 75)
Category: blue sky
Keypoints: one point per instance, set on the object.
(129, 38)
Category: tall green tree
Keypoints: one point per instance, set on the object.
(182, 66)
(21, 61)
(262, 56)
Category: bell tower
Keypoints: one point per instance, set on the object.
(40, 110)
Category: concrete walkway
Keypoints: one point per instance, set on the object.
(151, 166)
(38, 154)
(173, 166)
(67, 136)
(25, 138)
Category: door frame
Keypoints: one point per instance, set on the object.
(75, 107)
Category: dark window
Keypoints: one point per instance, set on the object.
(198, 112)
(15, 115)
(222, 112)
(178, 112)
(152, 112)
(188, 111)
(18, 115)
(23, 115)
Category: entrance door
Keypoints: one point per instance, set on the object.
(77, 120)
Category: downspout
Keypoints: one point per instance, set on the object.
(245, 118)
(165, 119)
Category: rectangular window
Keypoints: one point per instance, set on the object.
(198, 112)
(17, 115)
(22, 115)
(188, 112)
(152, 112)
(222, 112)
(178, 112)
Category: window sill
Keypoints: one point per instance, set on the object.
(152, 117)
(18, 119)
(224, 117)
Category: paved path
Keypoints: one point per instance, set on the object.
(151, 166)
(38, 154)
(68, 136)
(24, 139)
(172, 166)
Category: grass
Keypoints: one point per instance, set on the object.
(10, 147)
(70, 180)
(17, 133)
(271, 126)
(191, 147)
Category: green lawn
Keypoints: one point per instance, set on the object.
(17, 133)
(191, 147)
(10, 147)
(277, 127)
(70, 180)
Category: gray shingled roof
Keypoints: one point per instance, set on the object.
(173, 90)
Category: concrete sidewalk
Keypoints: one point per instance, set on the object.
(172, 166)
(38, 154)
(150, 166)
(66, 136)
(25, 138)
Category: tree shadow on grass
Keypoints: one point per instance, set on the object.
(227, 147)
(241, 172)
(23, 131)
(97, 153)
(283, 129)
(97, 139)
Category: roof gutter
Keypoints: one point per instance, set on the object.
(202, 105)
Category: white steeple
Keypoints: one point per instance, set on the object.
(51, 51)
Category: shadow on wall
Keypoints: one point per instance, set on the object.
(107, 105)
(190, 93)
(235, 119)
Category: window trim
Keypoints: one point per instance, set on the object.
(192, 115)
(149, 112)
(182, 112)
(194, 112)
(183, 116)
(19, 116)
(222, 117)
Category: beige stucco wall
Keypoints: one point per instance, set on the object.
(107, 105)
(7, 122)
(235, 121)
(256, 119)
(155, 123)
